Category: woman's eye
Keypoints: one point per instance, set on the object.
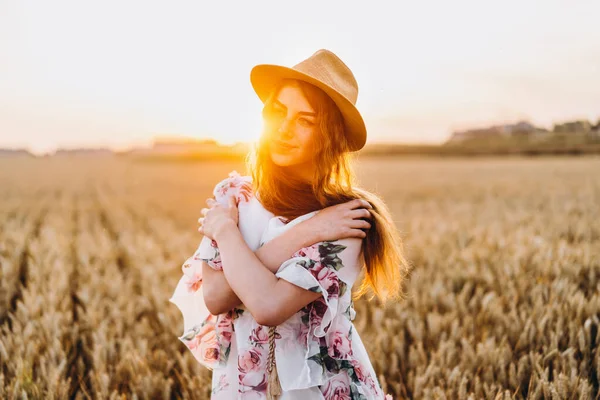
(306, 122)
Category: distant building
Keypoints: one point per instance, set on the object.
(581, 126)
(176, 146)
(15, 153)
(520, 128)
(187, 147)
(496, 131)
(461, 136)
(595, 130)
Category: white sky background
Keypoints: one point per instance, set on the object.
(117, 73)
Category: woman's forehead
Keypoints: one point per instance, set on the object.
(291, 96)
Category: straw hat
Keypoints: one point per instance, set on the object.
(326, 71)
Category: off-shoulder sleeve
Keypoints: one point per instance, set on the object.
(241, 188)
(329, 268)
(207, 336)
(316, 343)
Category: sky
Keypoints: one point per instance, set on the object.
(118, 73)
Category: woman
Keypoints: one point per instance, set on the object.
(266, 298)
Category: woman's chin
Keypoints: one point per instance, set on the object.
(281, 160)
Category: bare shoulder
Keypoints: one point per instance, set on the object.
(348, 248)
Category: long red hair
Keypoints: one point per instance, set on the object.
(334, 183)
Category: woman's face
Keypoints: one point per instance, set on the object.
(292, 128)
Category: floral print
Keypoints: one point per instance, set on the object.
(318, 353)
(337, 388)
(221, 384)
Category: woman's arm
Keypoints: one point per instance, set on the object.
(218, 296)
(269, 299)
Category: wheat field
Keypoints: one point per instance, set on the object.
(502, 302)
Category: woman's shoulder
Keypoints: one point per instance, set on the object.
(350, 249)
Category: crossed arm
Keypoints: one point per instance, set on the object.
(218, 295)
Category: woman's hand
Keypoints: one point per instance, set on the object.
(218, 216)
(341, 221)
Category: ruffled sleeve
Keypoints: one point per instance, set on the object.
(329, 268)
(200, 333)
(207, 336)
(325, 327)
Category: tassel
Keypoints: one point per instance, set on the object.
(274, 387)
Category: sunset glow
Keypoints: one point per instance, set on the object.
(117, 73)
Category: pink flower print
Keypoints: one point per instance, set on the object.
(327, 278)
(371, 383)
(249, 361)
(205, 344)
(235, 181)
(215, 262)
(194, 283)
(225, 327)
(245, 193)
(337, 388)
(364, 377)
(359, 371)
(252, 374)
(340, 346)
(317, 312)
(256, 381)
(223, 189)
(311, 252)
(259, 336)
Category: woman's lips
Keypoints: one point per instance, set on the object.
(283, 146)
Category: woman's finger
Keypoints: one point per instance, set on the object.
(360, 213)
(204, 211)
(201, 220)
(360, 223)
(358, 233)
(359, 203)
(210, 201)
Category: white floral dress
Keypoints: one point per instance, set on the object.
(318, 353)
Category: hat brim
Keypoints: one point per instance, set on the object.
(264, 77)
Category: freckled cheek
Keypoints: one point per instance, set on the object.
(308, 145)
(305, 152)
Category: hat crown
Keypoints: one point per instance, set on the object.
(328, 68)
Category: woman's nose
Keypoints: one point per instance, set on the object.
(285, 126)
